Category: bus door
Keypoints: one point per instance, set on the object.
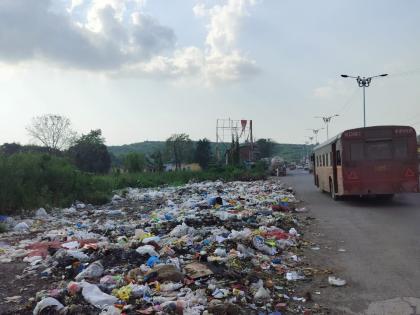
(334, 166)
(314, 167)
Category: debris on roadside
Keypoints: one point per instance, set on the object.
(337, 282)
(200, 248)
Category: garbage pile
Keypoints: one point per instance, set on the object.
(201, 248)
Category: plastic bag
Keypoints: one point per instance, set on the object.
(47, 302)
(262, 294)
(94, 270)
(259, 243)
(22, 226)
(95, 296)
(337, 282)
(153, 260)
(41, 214)
(147, 249)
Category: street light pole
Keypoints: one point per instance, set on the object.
(364, 106)
(327, 120)
(315, 131)
(364, 82)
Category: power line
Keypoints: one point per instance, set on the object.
(345, 107)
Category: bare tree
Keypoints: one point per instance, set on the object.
(53, 131)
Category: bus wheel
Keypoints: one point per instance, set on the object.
(332, 192)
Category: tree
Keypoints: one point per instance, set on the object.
(180, 149)
(52, 131)
(265, 147)
(155, 161)
(134, 162)
(90, 153)
(203, 153)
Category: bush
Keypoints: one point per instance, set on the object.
(32, 180)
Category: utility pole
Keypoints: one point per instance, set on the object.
(364, 82)
(327, 120)
(315, 131)
(311, 138)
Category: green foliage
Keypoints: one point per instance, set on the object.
(291, 152)
(180, 149)
(90, 153)
(13, 148)
(28, 180)
(32, 180)
(155, 162)
(265, 147)
(203, 153)
(134, 162)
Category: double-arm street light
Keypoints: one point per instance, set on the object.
(315, 131)
(327, 120)
(364, 82)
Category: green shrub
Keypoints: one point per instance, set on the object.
(32, 180)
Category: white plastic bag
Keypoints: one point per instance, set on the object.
(94, 270)
(47, 302)
(41, 214)
(96, 297)
(22, 226)
(147, 249)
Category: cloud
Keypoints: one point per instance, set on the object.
(30, 30)
(116, 37)
(333, 89)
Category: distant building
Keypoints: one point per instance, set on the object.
(194, 167)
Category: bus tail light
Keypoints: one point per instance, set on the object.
(409, 173)
(352, 175)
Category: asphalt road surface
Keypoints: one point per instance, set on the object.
(373, 245)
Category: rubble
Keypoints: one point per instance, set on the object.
(200, 248)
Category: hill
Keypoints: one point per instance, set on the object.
(290, 152)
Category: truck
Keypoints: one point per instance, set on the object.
(277, 166)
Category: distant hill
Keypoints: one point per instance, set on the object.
(146, 147)
(290, 152)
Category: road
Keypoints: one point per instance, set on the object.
(381, 261)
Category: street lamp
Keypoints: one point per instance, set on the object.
(315, 131)
(327, 120)
(364, 83)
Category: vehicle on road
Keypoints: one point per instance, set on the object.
(277, 166)
(379, 161)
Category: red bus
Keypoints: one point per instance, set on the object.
(380, 160)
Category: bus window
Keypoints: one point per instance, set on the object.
(331, 159)
(400, 148)
(356, 151)
(379, 150)
(338, 158)
(323, 160)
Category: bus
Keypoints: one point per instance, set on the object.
(378, 161)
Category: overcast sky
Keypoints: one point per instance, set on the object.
(145, 69)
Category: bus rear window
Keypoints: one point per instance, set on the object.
(401, 148)
(379, 150)
(356, 151)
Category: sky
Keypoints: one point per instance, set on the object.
(145, 69)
